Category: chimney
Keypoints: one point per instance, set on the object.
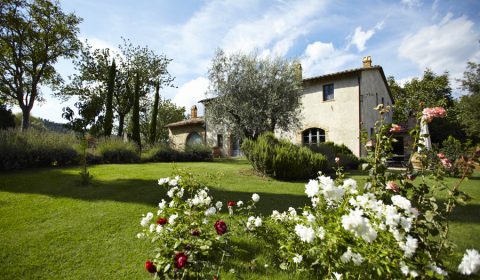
(367, 61)
(193, 114)
(298, 71)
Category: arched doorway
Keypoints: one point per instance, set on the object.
(194, 139)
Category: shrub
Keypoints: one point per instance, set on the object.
(331, 150)
(34, 148)
(163, 153)
(282, 159)
(115, 150)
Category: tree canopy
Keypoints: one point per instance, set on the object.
(34, 34)
(107, 82)
(430, 90)
(253, 95)
(469, 104)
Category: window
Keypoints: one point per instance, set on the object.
(371, 132)
(313, 136)
(220, 140)
(383, 101)
(328, 92)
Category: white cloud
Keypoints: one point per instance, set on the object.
(360, 37)
(191, 92)
(446, 46)
(412, 3)
(320, 58)
(277, 29)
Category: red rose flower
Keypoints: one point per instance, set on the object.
(150, 267)
(231, 203)
(180, 260)
(220, 227)
(161, 221)
(196, 232)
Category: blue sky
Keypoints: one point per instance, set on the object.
(403, 36)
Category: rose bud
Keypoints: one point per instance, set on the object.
(411, 177)
(180, 260)
(188, 247)
(196, 232)
(150, 267)
(395, 128)
(231, 203)
(161, 221)
(220, 227)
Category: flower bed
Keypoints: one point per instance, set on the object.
(388, 228)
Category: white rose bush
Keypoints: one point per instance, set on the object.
(190, 240)
(387, 228)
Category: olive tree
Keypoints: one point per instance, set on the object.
(252, 95)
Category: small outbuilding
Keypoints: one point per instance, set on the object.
(187, 133)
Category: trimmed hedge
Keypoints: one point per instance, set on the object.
(282, 159)
(331, 150)
(163, 153)
(34, 148)
(115, 150)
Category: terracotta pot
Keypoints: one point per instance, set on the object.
(417, 161)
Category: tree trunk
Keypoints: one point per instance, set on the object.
(153, 124)
(108, 121)
(121, 123)
(25, 119)
(136, 112)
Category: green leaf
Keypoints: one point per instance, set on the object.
(167, 267)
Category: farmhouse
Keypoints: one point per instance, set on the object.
(336, 107)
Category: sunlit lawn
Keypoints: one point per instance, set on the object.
(52, 228)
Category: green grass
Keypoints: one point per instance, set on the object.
(53, 228)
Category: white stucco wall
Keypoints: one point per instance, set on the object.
(338, 117)
(373, 89)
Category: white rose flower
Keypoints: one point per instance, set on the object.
(152, 227)
(310, 218)
(306, 234)
(163, 181)
(255, 197)
(239, 203)
(219, 205)
(162, 204)
(258, 222)
(311, 189)
(321, 233)
(297, 259)
(146, 220)
(210, 211)
(172, 218)
(409, 246)
(470, 262)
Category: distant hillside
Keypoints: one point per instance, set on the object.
(53, 126)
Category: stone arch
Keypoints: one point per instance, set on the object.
(194, 139)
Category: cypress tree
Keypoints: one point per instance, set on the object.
(108, 121)
(153, 124)
(136, 112)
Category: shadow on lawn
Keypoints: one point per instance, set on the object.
(55, 183)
